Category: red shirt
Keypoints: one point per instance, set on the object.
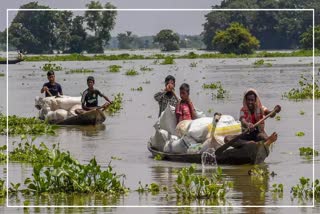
(183, 112)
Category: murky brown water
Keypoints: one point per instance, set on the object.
(126, 134)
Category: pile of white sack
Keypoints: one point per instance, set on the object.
(57, 108)
(191, 136)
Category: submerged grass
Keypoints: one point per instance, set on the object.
(114, 68)
(79, 70)
(190, 55)
(25, 125)
(51, 67)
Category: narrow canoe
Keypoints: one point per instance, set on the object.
(93, 117)
(11, 61)
(254, 153)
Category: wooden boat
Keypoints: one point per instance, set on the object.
(247, 154)
(93, 117)
(11, 61)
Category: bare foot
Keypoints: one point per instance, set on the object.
(271, 139)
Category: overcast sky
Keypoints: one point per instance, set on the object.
(139, 22)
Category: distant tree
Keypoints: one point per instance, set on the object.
(274, 29)
(306, 38)
(125, 40)
(100, 23)
(167, 39)
(235, 39)
(78, 35)
(33, 30)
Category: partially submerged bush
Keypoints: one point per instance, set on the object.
(51, 67)
(114, 68)
(132, 72)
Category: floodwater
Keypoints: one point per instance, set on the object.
(125, 135)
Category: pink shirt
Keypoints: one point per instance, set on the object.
(183, 112)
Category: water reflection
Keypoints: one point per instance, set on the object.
(88, 131)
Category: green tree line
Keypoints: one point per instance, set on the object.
(274, 29)
(46, 31)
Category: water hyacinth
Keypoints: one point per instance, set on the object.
(25, 125)
(190, 186)
(51, 67)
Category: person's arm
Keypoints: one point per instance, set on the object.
(60, 90)
(44, 88)
(192, 109)
(178, 111)
(159, 96)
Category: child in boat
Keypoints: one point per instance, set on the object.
(185, 109)
(89, 98)
(167, 96)
(251, 112)
(51, 88)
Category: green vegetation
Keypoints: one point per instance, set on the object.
(300, 134)
(1, 74)
(3, 190)
(168, 60)
(307, 152)
(277, 188)
(80, 70)
(51, 67)
(154, 188)
(61, 31)
(235, 39)
(263, 25)
(116, 105)
(193, 64)
(132, 72)
(304, 190)
(167, 39)
(211, 85)
(277, 118)
(301, 112)
(261, 62)
(24, 125)
(145, 68)
(27, 152)
(305, 91)
(137, 89)
(306, 39)
(158, 157)
(221, 92)
(3, 155)
(156, 57)
(114, 68)
(190, 186)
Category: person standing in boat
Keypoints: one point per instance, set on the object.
(51, 88)
(89, 98)
(251, 112)
(185, 109)
(167, 96)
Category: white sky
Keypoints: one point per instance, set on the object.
(139, 22)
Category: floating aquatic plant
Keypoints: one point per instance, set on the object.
(116, 105)
(131, 72)
(51, 67)
(114, 68)
(80, 70)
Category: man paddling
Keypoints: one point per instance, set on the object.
(51, 88)
(253, 111)
(89, 98)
